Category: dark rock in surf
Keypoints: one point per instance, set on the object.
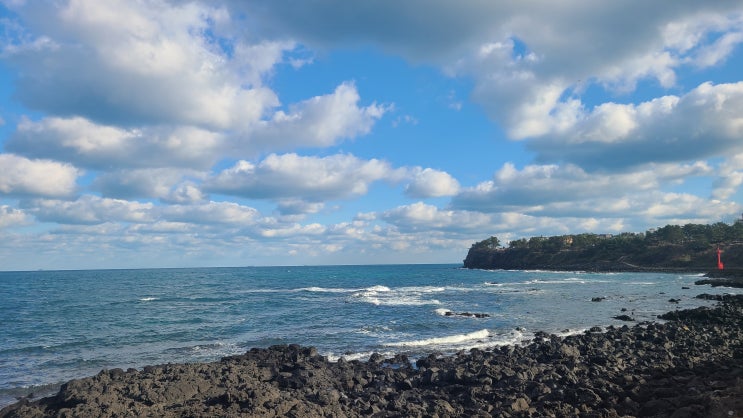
(467, 314)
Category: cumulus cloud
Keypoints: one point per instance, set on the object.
(90, 210)
(128, 62)
(431, 183)
(397, 27)
(289, 207)
(681, 208)
(568, 199)
(87, 144)
(93, 210)
(532, 86)
(317, 122)
(307, 178)
(10, 217)
(528, 60)
(700, 124)
(534, 187)
(183, 193)
(293, 230)
(729, 178)
(168, 185)
(225, 213)
(420, 216)
(25, 177)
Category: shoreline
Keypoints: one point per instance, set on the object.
(725, 278)
(691, 365)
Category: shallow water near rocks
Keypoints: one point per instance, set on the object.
(59, 325)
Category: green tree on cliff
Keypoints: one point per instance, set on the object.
(490, 243)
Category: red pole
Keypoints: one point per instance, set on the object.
(720, 266)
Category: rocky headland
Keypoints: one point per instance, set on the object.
(690, 365)
(677, 249)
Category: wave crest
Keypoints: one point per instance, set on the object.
(448, 340)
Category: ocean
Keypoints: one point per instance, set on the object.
(60, 325)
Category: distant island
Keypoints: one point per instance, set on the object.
(672, 248)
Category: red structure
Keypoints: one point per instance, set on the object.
(720, 266)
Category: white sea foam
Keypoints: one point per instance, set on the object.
(148, 299)
(442, 311)
(422, 289)
(363, 356)
(374, 330)
(208, 351)
(569, 332)
(326, 290)
(448, 340)
(566, 281)
(404, 296)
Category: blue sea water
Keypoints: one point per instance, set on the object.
(60, 325)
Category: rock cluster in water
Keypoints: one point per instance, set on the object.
(690, 366)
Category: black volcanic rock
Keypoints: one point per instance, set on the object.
(467, 314)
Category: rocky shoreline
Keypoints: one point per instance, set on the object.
(689, 366)
(725, 278)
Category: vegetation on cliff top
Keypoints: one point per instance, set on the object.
(691, 247)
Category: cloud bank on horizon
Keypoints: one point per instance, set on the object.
(157, 133)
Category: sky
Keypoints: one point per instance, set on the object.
(175, 133)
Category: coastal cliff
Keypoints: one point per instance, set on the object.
(691, 248)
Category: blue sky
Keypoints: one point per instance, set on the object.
(156, 133)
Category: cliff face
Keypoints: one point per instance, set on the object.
(666, 257)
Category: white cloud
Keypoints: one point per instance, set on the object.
(422, 217)
(417, 29)
(10, 217)
(532, 93)
(90, 210)
(24, 177)
(164, 227)
(293, 231)
(431, 183)
(168, 185)
(703, 123)
(144, 223)
(130, 62)
(730, 178)
(289, 207)
(682, 208)
(184, 193)
(307, 178)
(527, 59)
(538, 187)
(568, 199)
(87, 144)
(211, 213)
(719, 50)
(728, 185)
(317, 122)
